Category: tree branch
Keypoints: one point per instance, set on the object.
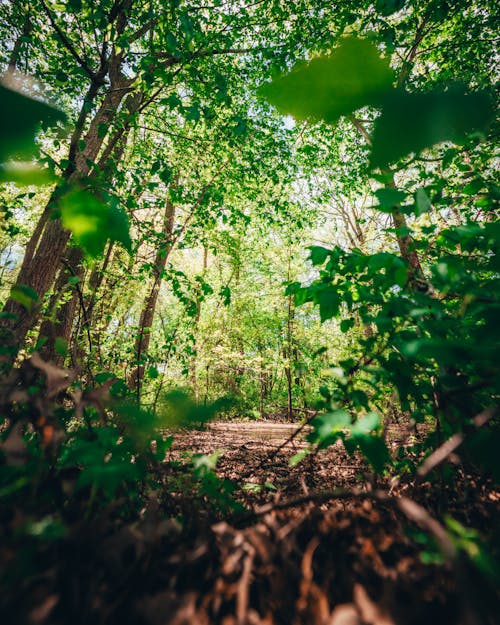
(448, 447)
(69, 46)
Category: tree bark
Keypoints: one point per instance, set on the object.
(149, 307)
(65, 316)
(49, 240)
(61, 326)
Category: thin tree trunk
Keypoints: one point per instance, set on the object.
(288, 359)
(193, 380)
(16, 50)
(149, 306)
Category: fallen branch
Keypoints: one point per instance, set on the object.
(448, 447)
(412, 510)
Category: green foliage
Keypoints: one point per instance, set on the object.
(363, 434)
(328, 87)
(179, 409)
(94, 220)
(411, 122)
(105, 461)
(252, 191)
(218, 491)
(355, 76)
(24, 173)
(437, 347)
(20, 116)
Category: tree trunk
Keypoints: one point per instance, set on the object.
(288, 359)
(48, 242)
(16, 50)
(63, 324)
(193, 380)
(149, 306)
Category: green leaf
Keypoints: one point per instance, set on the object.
(389, 198)
(318, 254)
(411, 122)
(298, 457)
(388, 7)
(375, 451)
(171, 42)
(328, 87)
(329, 303)
(93, 222)
(153, 373)
(346, 325)
(203, 463)
(24, 295)
(25, 173)
(61, 346)
(366, 424)
(20, 117)
(331, 423)
(422, 202)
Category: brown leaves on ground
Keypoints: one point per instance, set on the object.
(351, 564)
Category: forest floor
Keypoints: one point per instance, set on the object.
(319, 549)
(320, 543)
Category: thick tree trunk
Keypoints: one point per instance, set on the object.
(62, 325)
(48, 243)
(65, 316)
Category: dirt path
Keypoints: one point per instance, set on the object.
(260, 452)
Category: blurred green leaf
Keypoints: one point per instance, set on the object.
(298, 457)
(388, 7)
(203, 463)
(374, 450)
(366, 424)
(330, 423)
(24, 295)
(25, 173)
(411, 122)
(93, 221)
(61, 346)
(328, 87)
(20, 116)
(389, 198)
(422, 202)
(179, 409)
